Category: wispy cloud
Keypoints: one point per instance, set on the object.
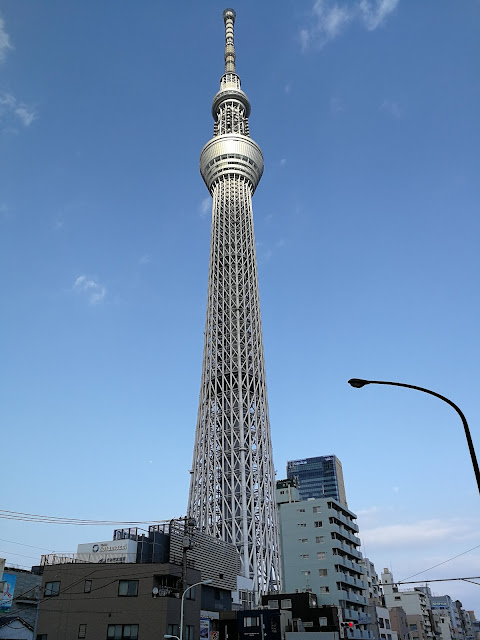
(94, 291)
(205, 206)
(13, 111)
(145, 259)
(392, 108)
(331, 18)
(419, 533)
(5, 44)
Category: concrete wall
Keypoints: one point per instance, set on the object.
(60, 616)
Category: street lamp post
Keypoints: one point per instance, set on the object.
(358, 383)
(208, 581)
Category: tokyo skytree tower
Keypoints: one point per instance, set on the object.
(232, 489)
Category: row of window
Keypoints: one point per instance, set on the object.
(314, 510)
(128, 632)
(317, 524)
(126, 588)
(321, 572)
(321, 555)
(318, 539)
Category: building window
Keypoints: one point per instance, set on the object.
(323, 572)
(387, 624)
(51, 589)
(322, 622)
(321, 555)
(302, 524)
(305, 556)
(128, 587)
(398, 597)
(189, 632)
(307, 623)
(173, 630)
(273, 604)
(190, 595)
(82, 630)
(324, 590)
(303, 539)
(301, 510)
(286, 604)
(413, 627)
(42, 636)
(316, 509)
(251, 621)
(380, 623)
(306, 573)
(318, 524)
(122, 631)
(320, 539)
(87, 587)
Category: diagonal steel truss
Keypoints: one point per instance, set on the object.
(232, 490)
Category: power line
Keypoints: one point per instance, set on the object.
(442, 580)
(35, 517)
(18, 554)
(25, 545)
(438, 565)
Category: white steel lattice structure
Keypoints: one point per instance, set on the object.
(232, 490)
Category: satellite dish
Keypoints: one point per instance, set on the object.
(155, 591)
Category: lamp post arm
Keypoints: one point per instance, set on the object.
(183, 602)
(454, 406)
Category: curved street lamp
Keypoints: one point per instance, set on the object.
(358, 383)
(208, 581)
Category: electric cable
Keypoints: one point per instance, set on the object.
(439, 564)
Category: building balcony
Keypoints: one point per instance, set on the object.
(355, 582)
(339, 544)
(344, 519)
(341, 531)
(349, 596)
(351, 614)
(349, 564)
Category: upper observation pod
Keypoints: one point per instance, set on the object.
(231, 150)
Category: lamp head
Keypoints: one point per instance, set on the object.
(358, 383)
(208, 581)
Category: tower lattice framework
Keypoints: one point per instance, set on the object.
(232, 489)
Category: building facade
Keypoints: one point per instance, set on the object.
(415, 603)
(319, 477)
(319, 550)
(232, 488)
(85, 600)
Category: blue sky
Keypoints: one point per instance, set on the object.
(367, 232)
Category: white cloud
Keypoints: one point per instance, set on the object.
(145, 259)
(11, 110)
(393, 108)
(283, 162)
(419, 533)
(5, 44)
(374, 13)
(205, 206)
(337, 105)
(330, 19)
(91, 288)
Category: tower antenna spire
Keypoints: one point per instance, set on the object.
(229, 19)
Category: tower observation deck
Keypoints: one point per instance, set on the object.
(232, 488)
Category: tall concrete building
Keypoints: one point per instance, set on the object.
(232, 489)
(319, 477)
(320, 554)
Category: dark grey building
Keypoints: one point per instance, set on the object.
(319, 477)
(117, 601)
